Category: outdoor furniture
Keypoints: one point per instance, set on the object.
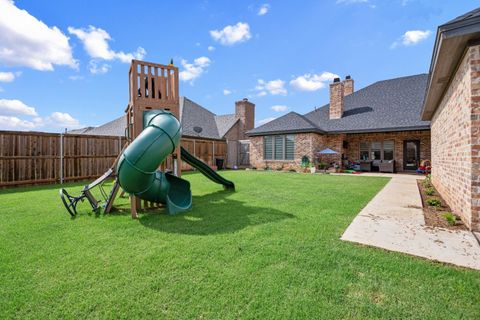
(366, 166)
(387, 166)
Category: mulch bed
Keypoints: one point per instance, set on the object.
(434, 215)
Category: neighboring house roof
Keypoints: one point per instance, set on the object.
(81, 130)
(450, 43)
(388, 105)
(225, 123)
(192, 114)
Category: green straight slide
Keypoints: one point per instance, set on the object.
(137, 167)
(206, 170)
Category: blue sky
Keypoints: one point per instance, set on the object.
(65, 63)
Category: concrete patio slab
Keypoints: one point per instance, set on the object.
(393, 220)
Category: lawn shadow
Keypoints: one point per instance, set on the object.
(214, 213)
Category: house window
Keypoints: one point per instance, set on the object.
(377, 150)
(364, 151)
(289, 147)
(268, 148)
(280, 147)
(388, 148)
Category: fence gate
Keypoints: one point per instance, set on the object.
(244, 153)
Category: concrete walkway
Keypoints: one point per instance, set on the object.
(393, 220)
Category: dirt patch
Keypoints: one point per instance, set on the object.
(435, 215)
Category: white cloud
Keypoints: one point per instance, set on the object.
(27, 41)
(411, 37)
(75, 78)
(211, 48)
(98, 68)
(232, 34)
(279, 108)
(95, 41)
(263, 121)
(56, 120)
(263, 9)
(61, 120)
(312, 82)
(15, 107)
(191, 71)
(274, 87)
(7, 76)
(14, 123)
(226, 92)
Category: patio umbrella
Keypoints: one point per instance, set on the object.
(327, 151)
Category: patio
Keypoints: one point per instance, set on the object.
(393, 220)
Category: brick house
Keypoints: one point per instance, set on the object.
(201, 125)
(452, 104)
(379, 123)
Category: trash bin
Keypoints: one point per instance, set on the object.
(219, 163)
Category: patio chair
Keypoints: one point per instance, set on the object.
(387, 166)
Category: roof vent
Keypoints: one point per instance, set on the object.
(336, 80)
(197, 129)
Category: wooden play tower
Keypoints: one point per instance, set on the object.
(152, 86)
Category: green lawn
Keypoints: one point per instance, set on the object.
(271, 250)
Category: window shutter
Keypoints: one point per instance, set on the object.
(268, 148)
(279, 147)
(289, 147)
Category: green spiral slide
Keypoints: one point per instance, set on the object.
(137, 167)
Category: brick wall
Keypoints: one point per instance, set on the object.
(456, 141)
(310, 143)
(303, 146)
(353, 150)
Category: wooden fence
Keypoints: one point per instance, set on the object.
(28, 158)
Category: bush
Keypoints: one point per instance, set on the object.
(434, 202)
(305, 162)
(292, 170)
(430, 191)
(254, 168)
(451, 218)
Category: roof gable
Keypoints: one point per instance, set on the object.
(291, 122)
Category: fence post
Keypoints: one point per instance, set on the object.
(213, 153)
(61, 158)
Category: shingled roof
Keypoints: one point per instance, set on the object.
(192, 114)
(389, 105)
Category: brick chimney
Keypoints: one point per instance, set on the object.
(336, 99)
(348, 85)
(245, 111)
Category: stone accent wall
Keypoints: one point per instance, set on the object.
(245, 111)
(353, 151)
(456, 141)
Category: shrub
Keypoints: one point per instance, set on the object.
(434, 202)
(430, 191)
(451, 218)
(305, 162)
(292, 170)
(254, 168)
